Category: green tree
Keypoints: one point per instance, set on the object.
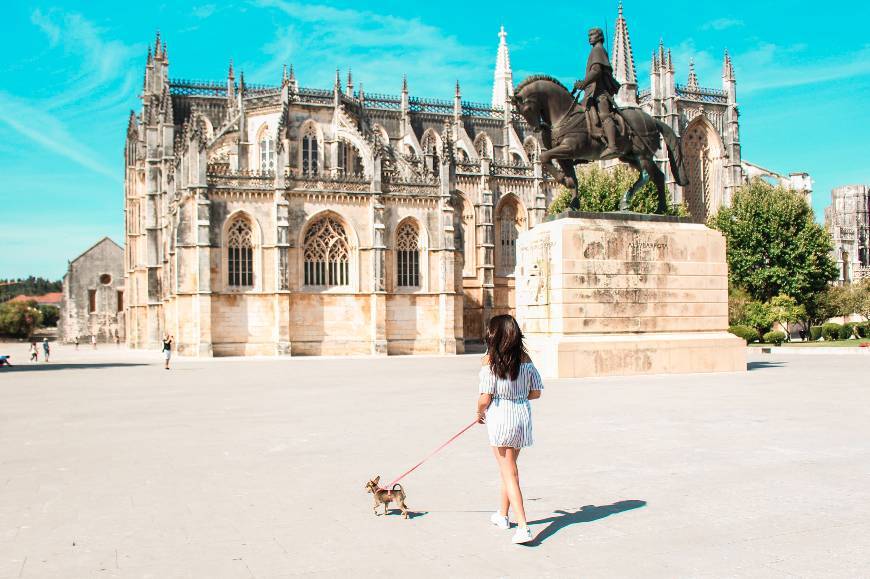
(19, 319)
(774, 244)
(785, 311)
(738, 299)
(760, 316)
(600, 190)
(50, 315)
(31, 286)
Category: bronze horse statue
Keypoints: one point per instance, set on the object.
(549, 108)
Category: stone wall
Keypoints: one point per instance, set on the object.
(93, 295)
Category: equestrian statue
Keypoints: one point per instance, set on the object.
(595, 128)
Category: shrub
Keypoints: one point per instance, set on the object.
(830, 332)
(815, 333)
(847, 330)
(747, 333)
(775, 337)
(863, 330)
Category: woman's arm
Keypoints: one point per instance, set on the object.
(483, 402)
(534, 394)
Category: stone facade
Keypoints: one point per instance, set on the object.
(93, 295)
(291, 220)
(847, 220)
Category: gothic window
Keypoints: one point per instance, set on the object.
(267, 153)
(349, 160)
(464, 213)
(92, 301)
(430, 150)
(531, 147)
(517, 159)
(483, 146)
(461, 155)
(507, 231)
(408, 255)
(326, 254)
(240, 253)
(309, 151)
(699, 151)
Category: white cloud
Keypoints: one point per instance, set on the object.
(722, 24)
(380, 49)
(204, 11)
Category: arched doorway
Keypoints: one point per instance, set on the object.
(703, 154)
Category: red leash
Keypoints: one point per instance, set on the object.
(430, 455)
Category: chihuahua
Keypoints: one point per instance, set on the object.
(387, 496)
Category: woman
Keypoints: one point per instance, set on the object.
(508, 380)
(167, 350)
(34, 353)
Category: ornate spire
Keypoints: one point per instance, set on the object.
(622, 60)
(349, 82)
(503, 80)
(654, 63)
(693, 78)
(284, 79)
(337, 85)
(405, 83)
(457, 93)
(157, 45)
(231, 73)
(727, 67)
(292, 73)
(661, 55)
(669, 63)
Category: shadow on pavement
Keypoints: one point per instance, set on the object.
(42, 366)
(411, 514)
(585, 514)
(758, 365)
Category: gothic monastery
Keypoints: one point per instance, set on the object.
(292, 220)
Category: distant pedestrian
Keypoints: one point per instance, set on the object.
(77, 342)
(34, 352)
(45, 348)
(167, 350)
(508, 380)
(117, 341)
(94, 341)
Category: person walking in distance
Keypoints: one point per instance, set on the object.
(34, 352)
(508, 380)
(45, 349)
(167, 350)
(77, 342)
(94, 341)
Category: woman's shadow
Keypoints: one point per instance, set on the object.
(583, 515)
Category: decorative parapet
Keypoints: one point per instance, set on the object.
(702, 95)
(344, 183)
(511, 170)
(468, 167)
(416, 185)
(861, 272)
(220, 175)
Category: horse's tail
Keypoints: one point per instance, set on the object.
(675, 152)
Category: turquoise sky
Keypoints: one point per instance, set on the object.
(71, 72)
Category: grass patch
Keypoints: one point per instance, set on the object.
(824, 344)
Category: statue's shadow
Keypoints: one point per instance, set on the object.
(583, 515)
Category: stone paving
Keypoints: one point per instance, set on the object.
(111, 466)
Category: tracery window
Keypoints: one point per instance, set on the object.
(309, 151)
(240, 253)
(508, 231)
(267, 152)
(349, 159)
(531, 147)
(430, 150)
(326, 254)
(483, 146)
(408, 255)
(461, 155)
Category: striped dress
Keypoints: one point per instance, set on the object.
(509, 416)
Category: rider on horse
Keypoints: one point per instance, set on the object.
(599, 87)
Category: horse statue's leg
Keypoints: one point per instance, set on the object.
(658, 178)
(642, 179)
(571, 182)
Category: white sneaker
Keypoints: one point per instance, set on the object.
(500, 520)
(523, 535)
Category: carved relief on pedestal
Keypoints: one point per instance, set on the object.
(535, 272)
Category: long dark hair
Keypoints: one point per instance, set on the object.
(504, 346)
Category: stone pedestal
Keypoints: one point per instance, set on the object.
(602, 294)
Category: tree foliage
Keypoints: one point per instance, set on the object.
(774, 244)
(50, 315)
(31, 286)
(19, 319)
(600, 190)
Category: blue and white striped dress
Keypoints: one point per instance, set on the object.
(509, 417)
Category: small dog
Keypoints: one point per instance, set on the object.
(387, 496)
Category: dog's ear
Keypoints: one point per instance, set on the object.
(377, 479)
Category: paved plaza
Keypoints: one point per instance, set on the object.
(111, 466)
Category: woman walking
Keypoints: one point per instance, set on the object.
(34, 353)
(508, 380)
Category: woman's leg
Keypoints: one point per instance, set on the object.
(503, 499)
(508, 462)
